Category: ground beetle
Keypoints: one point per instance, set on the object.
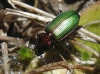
(58, 29)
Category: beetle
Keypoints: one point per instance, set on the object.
(58, 29)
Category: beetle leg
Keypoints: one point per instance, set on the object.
(78, 27)
(53, 56)
(47, 23)
(60, 11)
(60, 6)
(44, 61)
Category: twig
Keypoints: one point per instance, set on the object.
(89, 34)
(71, 70)
(85, 47)
(12, 39)
(12, 4)
(28, 15)
(60, 4)
(85, 37)
(91, 23)
(4, 38)
(15, 2)
(6, 66)
(36, 3)
(59, 65)
(13, 48)
(77, 59)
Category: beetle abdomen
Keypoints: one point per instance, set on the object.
(63, 24)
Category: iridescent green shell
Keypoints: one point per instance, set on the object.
(63, 25)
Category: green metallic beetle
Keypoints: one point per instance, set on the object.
(58, 29)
